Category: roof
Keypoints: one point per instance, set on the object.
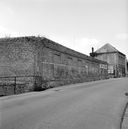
(108, 48)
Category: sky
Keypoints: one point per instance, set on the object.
(77, 24)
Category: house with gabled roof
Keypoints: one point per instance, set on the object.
(116, 60)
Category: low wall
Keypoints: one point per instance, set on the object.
(10, 89)
(16, 85)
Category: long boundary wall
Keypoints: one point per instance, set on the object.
(50, 63)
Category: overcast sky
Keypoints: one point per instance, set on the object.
(78, 24)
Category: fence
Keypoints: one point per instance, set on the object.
(17, 84)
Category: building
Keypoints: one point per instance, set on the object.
(40, 62)
(115, 59)
(126, 67)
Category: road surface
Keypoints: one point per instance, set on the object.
(91, 105)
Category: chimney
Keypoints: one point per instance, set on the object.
(93, 54)
(92, 49)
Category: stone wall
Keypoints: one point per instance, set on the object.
(16, 57)
(16, 85)
(47, 63)
(59, 65)
(16, 60)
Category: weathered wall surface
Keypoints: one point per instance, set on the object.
(49, 63)
(121, 65)
(116, 63)
(110, 58)
(16, 57)
(59, 65)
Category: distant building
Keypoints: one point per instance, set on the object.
(127, 67)
(117, 64)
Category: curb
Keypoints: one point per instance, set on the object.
(124, 118)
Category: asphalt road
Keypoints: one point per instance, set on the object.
(91, 105)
